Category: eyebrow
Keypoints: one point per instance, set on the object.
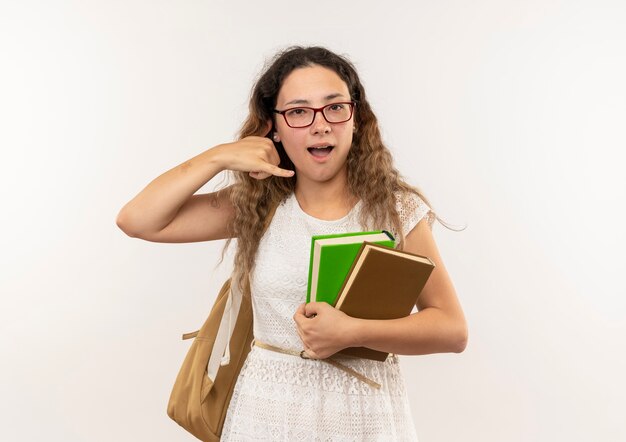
(302, 101)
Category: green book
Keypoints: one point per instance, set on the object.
(331, 259)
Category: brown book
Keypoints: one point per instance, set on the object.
(383, 283)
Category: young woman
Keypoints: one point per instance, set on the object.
(309, 158)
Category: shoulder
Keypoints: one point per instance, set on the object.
(412, 208)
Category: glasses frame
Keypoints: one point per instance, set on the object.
(315, 111)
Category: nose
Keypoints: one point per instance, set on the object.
(320, 125)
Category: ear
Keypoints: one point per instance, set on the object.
(267, 128)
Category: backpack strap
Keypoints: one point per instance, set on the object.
(220, 354)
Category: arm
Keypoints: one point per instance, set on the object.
(438, 327)
(167, 210)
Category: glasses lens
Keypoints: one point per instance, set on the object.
(338, 112)
(299, 117)
(334, 113)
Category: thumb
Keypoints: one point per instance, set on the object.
(300, 309)
(311, 309)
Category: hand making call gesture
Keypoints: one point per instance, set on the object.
(256, 155)
(168, 210)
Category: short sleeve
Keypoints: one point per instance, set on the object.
(411, 209)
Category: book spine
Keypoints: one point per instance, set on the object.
(308, 285)
(338, 299)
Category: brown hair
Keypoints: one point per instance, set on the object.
(370, 171)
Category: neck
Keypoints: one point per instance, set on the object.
(328, 200)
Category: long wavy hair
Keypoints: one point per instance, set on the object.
(370, 171)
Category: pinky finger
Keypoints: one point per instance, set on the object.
(277, 171)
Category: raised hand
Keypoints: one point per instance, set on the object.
(256, 155)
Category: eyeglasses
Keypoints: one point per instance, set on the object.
(297, 117)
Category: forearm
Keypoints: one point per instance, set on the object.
(157, 204)
(430, 330)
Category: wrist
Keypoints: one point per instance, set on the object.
(214, 158)
(357, 332)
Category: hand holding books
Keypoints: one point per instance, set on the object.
(382, 283)
(323, 329)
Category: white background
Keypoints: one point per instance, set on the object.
(509, 115)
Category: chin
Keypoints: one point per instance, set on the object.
(323, 176)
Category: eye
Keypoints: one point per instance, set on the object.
(337, 107)
(296, 112)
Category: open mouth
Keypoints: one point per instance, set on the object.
(320, 152)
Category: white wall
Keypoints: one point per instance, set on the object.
(508, 114)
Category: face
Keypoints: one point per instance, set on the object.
(315, 86)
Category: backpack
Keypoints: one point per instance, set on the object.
(205, 383)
